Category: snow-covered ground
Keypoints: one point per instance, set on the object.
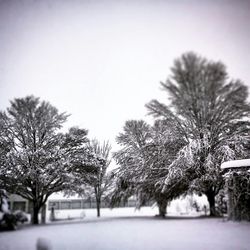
(180, 206)
(127, 230)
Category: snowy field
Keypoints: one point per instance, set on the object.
(127, 229)
(180, 206)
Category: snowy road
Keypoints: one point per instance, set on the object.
(127, 233)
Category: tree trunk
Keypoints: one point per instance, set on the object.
(211, 200)
(43, 219)
(162, 205)
(98, 208)
(35, 213)
(98, 201)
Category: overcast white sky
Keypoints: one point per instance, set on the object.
(102, 61)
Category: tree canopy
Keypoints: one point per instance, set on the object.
(39, 159)
(212, 112)
(144, 158)
(100, 183)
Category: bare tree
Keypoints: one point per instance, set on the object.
(100, 181)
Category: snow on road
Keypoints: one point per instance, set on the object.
(138, 232)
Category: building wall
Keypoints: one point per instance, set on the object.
(16, 202)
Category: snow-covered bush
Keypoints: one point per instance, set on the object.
(238, 186)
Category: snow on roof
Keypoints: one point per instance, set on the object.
(236, 164)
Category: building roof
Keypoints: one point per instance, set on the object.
(236, 164)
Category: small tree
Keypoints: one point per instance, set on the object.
(39, 160)
(100, 181)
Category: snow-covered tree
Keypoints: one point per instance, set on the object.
(5, 146)
(39, 160)
(146, 153)
(238, 189)
(211, 112)
(130, 159)
(100, 182)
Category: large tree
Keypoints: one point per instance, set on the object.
(210, 110)
(145, 154)
(39, 160)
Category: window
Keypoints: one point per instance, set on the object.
(19, 205)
